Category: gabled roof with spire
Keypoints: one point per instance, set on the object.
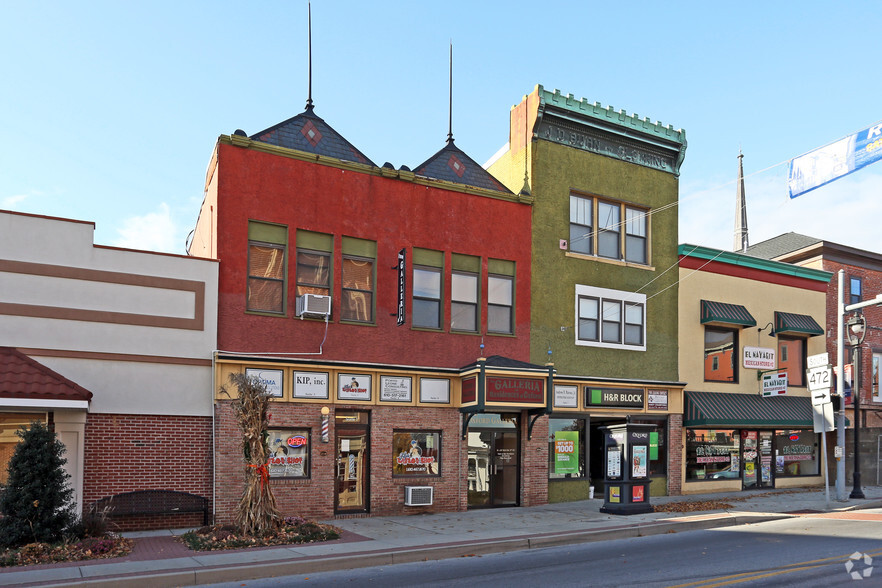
(25, 378)
(451, 164)
(309, 132)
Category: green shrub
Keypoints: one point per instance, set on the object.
(36, 501)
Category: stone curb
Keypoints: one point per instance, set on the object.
(317, 564)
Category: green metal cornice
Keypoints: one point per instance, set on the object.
(653, 135)
(767, 265)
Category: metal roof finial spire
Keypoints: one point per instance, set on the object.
(309, 21)
(450, 105)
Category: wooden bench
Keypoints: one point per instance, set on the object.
(146, 502)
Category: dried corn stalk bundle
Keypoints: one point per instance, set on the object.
(257, 513)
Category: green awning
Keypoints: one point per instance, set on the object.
(729, 409)
(730, 314)
(789, 323)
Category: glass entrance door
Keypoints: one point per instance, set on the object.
(493, 468)
(353, 464)
(756, 459)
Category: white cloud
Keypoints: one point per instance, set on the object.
(154, 231)
(846, 211)
(10, 202)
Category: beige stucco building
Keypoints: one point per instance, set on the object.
(747, 328)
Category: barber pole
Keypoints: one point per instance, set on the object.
(325, 437)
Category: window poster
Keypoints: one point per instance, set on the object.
(613, 462)
(636, 493)
(354, 387)
(615, 494)
(311, 385)
(566, 452)
(640, 461)
(271, 379)
(435, 390)
(394, 389)
(288, 453)
(416, 453)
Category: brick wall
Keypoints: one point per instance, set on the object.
(313, 497)
(124, 453)
(534, 462)
(675, 454)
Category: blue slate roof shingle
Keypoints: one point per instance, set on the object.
(451, 164)
(309, 132)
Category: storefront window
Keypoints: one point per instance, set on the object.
(796, 453)
(566, 449)
(712, 454)
(416, 453)
(288, 453)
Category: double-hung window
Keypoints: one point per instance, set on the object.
(428, 267)
(267, 247)
(358, 277)
(500, 296)
(581, 224)
(464, 293)
(854, 290)
(609, 229)
(610, 318)
(314, 263)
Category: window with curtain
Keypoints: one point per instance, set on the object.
(313, 273)
(266, 277)
(357, 289)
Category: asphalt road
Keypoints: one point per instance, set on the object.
(810, 551)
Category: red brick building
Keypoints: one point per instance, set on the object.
(368, 294)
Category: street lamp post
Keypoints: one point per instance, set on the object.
(857, 331)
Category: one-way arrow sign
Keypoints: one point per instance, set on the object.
(820, 396)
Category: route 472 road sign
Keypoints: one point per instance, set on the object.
(819, 380)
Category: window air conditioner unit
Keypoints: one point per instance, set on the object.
(313, 304)
(418, 495)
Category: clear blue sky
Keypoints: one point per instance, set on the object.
(110, 110)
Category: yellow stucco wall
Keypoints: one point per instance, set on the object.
(761, 299)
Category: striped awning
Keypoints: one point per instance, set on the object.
(728, 409)
(796, 324)
(722, 313)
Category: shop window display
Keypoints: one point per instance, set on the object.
(566, 449)
(796, 453)
(288, 453)
(712, 454)
(416, 453)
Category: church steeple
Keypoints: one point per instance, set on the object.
(741, 241)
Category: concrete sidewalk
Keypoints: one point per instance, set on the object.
(159, 559)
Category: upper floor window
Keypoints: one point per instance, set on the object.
(314, 263)
(358, 276)
(792, 357)
(720, 357)
(596, 227)
(500, 296)
(464, 301)
(428, 266)
(267, 248)
(610, 318)
(854, 291)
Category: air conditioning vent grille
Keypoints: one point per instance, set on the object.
(313, 305)
(418, 495)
